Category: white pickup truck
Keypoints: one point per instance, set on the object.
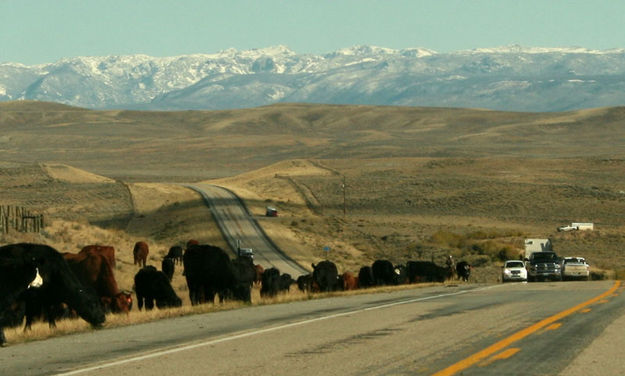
(575, 268)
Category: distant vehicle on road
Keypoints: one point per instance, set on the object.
(543, 266)
(575, 268)
(513, 270)
(567, 228)
(245, 252)
(271, 212)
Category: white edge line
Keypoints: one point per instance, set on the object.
(261, 331)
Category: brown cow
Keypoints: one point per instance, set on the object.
(105, 250)
(349, 281)
(140, 253)
(259, 274)
(95, 270)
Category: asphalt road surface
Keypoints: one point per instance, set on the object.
(238, 225)
(511, 329)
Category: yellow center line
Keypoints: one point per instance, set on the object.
(554, 326)
(490, 350)
(502, 355)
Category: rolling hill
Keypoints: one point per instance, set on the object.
(193, 145)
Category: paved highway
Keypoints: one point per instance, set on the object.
(512, 329)
(238, 225)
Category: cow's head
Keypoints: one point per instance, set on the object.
(121, 303)
(88, 306)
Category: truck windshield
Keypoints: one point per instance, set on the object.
(574, 260)
(514, 264)
(545, 257)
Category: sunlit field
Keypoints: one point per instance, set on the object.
(40, 330)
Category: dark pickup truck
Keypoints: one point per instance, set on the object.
(542, 266)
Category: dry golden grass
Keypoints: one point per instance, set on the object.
(41, 330)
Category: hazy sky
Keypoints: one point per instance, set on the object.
(40, 31)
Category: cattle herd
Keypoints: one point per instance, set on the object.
(39, 283)
(325, 276)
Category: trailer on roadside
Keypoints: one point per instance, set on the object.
(583, 226)
(536, 245)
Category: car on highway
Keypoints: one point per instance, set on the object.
(513, 270)
(575, 268)
(245, 252)
(543, 266)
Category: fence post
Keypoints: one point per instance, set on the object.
(19, 219)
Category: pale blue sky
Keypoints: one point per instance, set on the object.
(41, 31)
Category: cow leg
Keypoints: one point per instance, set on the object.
(28, 323)
(52, 312)
(149, 303)
(32, 310)
(51, 316)
(209, 296)
(140, 301)
(192, 296)
(3, 339)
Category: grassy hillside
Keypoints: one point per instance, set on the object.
(419, 182)
(191, 145)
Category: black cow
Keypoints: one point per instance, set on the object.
(175, 253)
(304, 283)
(209, 271)
(463, 269)
(326, 276)
(270, 283)
(168, 266)
(18, 272)
(401, 275)
(383, 272)
(37, 306)
(245, 269)
(425, 271)
(285, 282)
(18, 265)
(365, 277)
(152, 285)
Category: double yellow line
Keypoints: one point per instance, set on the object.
(481, 355)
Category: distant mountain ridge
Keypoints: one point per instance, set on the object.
(511, 78)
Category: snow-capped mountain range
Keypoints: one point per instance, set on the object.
(509, 78)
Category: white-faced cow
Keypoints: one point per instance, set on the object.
(19, 266)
